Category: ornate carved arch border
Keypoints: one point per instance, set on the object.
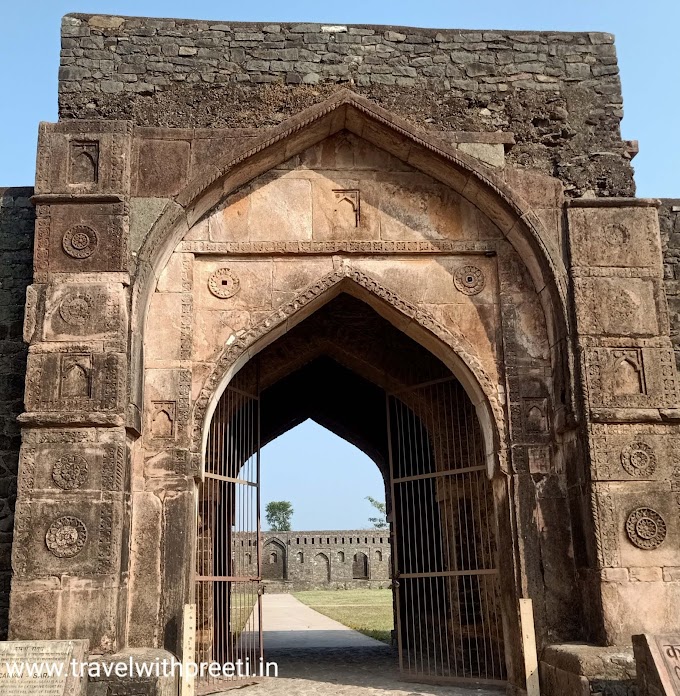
(424, 151)
(246, 345)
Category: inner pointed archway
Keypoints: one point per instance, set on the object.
(352, 371)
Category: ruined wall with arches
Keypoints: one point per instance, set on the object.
(167, 259)
(327, 559)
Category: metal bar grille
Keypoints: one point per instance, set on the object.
(446, 577)
(228, 556)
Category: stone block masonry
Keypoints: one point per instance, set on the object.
(323, 560)
(17, 218)
(669, 224)
(559, 93)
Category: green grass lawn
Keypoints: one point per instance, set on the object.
(366, 611)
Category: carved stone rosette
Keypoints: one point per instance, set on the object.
(70, 472)
(76, 309)
(66, 537)
(638, 459)
(80, 241)
(223, 283)
(646, 528)
(469, 280)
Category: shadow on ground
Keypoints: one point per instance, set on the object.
(365, 671)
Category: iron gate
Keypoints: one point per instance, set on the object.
(444, 553)
(228, 573)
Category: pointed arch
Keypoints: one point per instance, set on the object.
(348, 111)
(454, 350)
(274, 566)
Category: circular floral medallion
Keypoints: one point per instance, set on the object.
(638, 459)
(66, 537)
(469, 280)
(646, 528)
(223, 283)
(70, 472)
(76, 309)
(80, 241)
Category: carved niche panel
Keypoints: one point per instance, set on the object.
(84, 157)
(347, 210)
(79, 537)
(79, 238)
(74, 312)
(163, 417)
(72, 460)
(75, 382)
(635, 377)
(167, 418)
(83, 162)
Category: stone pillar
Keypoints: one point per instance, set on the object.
(632, 488)
(69, 555)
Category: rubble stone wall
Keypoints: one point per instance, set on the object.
(558, 92)
(338, 559)
(17, 218)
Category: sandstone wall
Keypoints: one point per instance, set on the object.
(17, 218)
(559, 93)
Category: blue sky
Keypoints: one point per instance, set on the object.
(646, 38)
(325, 478)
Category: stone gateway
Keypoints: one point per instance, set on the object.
(425, 240)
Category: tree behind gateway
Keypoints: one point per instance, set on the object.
(279, 514)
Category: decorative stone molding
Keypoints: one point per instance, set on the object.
(80, 241)
(245, 340)
(345, 246)
(70, 472)
(75, 309)
(469, 280)
(606, 532)
(223, 283)
(66, 537)
(638, 459)
(646, 528)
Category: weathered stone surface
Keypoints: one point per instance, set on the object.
(17, 218)
(143, 662)
(561, 111)
(579, 670)
(335, 559)
(621, 238)
(162, 167)
(669, 223)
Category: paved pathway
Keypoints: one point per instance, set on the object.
(317, 656)
(291, 625)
